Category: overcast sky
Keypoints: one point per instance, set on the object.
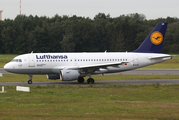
(152, 9)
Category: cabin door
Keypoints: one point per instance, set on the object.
(136, 60)
(31, 61)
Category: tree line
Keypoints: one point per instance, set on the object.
(79, 34)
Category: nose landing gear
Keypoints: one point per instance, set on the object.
(30, 79)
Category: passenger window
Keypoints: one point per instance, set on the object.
(20, 60)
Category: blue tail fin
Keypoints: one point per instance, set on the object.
(154, 41)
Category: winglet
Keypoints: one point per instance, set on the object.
(154, 41)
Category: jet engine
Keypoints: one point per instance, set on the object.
(53, 76)
(69, 75)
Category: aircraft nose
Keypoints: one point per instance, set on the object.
(7, 66)
(10, 67)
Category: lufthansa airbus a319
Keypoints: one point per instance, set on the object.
(75, 66)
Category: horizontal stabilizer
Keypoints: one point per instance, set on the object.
(159, 57)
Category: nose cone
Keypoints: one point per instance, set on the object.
(11, 67)
(7, 67)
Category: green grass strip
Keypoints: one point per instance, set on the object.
(100, 102)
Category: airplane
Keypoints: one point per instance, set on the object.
(76, 66)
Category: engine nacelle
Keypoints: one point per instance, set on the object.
(53, 76)
(69, 75)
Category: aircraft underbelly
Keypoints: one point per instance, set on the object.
(31, 71)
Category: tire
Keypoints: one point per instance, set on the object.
(30, 82)
(81, 80)
(90, 81)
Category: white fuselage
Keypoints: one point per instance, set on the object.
(53, 63)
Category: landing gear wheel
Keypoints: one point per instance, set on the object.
(90, 81)
(80, 80)
(30, 79)
(30, 82)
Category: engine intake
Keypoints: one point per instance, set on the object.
(69, 75)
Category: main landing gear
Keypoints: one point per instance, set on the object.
(30, 79)
(81, 80)
(89, 81)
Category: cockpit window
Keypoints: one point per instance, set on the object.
(16, 60)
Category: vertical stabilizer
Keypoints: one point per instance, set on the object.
(154, 41)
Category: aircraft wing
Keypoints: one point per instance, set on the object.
(103, 65)
(97, 66)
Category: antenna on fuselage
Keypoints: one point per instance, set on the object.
(32, 52)
(105, 51)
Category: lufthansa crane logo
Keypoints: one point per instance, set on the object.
(156, 38)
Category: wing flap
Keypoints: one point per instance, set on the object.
(102, 65)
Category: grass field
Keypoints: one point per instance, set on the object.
(4, 58)
(86, 102)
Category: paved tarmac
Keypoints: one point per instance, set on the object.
(122, 82)
(132, 72)
(4, 72)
